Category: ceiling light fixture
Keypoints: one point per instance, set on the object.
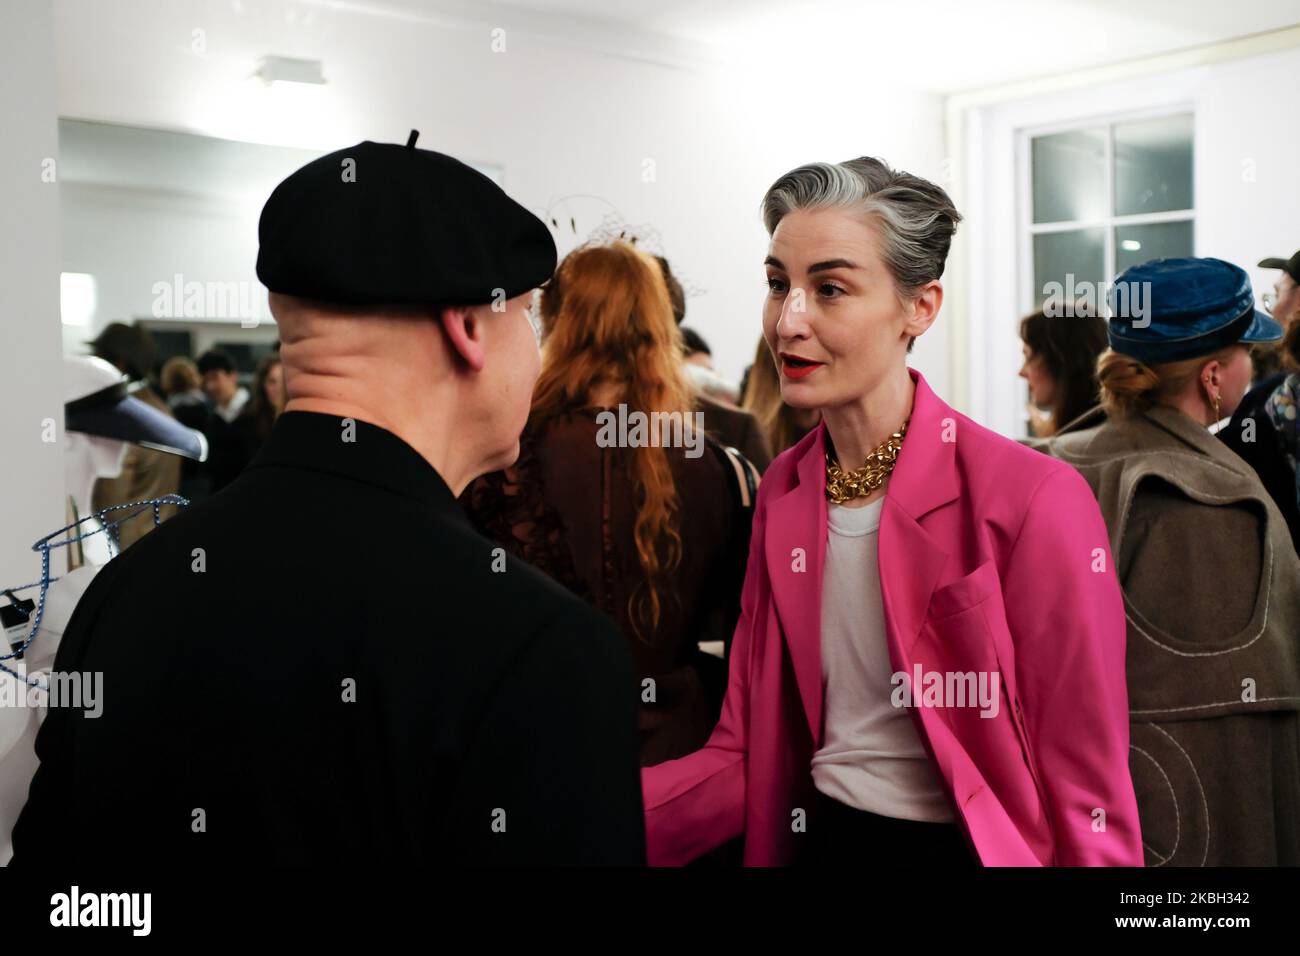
(288, 69)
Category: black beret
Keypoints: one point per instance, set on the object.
(381, 223)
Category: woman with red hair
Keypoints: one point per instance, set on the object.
(618, 494)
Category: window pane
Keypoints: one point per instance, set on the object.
(1068, 258)
(1157, 240)
(1153, 165)
(1069, 175)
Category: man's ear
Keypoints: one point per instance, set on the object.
(464, 331)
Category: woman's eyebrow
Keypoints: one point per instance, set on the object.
(776, 263)
(831, 264)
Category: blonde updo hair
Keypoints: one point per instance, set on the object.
(178, 375)
(1130, 386)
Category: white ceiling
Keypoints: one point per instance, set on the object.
(937, 45)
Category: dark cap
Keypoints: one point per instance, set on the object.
(1167, 310)
(129, 347)
(380, 223)
(1290, 266)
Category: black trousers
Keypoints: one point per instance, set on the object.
(840, 835)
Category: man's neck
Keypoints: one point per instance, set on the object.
(390, 371)
(430, 435)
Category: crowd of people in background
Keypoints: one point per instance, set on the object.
(204, 394)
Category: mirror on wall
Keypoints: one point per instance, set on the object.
(160, 230)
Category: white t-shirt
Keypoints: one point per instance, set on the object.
(871, 756)
(237, 402)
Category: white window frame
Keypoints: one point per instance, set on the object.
(1024, 187)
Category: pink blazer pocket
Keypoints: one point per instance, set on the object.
(964, 593)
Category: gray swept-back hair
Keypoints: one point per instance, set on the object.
(916, 219)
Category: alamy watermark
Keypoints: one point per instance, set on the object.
(128, 910)
(72, 689)
(1123, 300)
(179, 299)
(924, 688)
(637, 429)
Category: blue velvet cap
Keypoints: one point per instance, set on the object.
(1167, 310)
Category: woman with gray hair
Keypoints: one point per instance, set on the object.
(929, 663)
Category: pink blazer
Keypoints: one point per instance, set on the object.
(993, 557)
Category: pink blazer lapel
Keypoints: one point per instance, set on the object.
(911, 561)
(925, 478)
(795, 550)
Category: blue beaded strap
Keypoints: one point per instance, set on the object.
(45, 544)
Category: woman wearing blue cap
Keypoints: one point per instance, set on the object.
(1211, 582)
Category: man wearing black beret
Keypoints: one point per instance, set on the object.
(325, 661)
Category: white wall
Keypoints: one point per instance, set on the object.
(31, 371)
(1248, 163)
(141, 207)
(563, 119)
(131, 239)
(1247, 196)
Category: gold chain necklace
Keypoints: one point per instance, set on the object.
(842, 486)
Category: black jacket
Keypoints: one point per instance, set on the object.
(494, 715)
(735, 428)
(1265, 453)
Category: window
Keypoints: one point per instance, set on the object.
(77, 298)
(1103, 197)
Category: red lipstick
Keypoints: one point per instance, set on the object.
(796, 366)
